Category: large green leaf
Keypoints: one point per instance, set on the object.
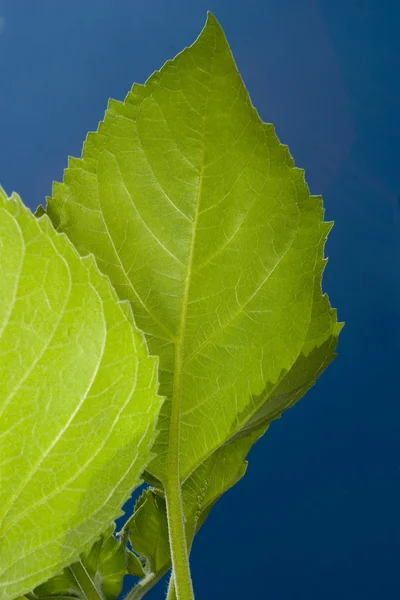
(199, 217)
(78, 401)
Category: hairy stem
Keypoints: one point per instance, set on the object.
(171, 594)
(173, 492)
(145, 585)
(173, 496)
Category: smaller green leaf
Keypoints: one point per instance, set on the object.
(134, 565)
(105, 565)
(148, 531)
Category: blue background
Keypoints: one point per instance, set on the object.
(317, 515)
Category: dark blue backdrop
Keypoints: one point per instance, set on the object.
(317, 515)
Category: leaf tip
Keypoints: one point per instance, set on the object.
(211, 20)
(212, 23)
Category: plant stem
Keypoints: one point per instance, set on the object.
(173, 496)
(143, 586)
(171, 594)
(172, 485)
(84, 581)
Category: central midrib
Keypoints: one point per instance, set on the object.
(178, 368)
(173, 460)
(173, 489)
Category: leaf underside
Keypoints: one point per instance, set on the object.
(199, 217)
(78, 401)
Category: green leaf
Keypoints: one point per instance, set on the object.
(104, 566)
(134, 565)
(199, 217)
(147, 531)
(78, 401)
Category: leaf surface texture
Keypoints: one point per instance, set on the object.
(198, 215)
(78, 401)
